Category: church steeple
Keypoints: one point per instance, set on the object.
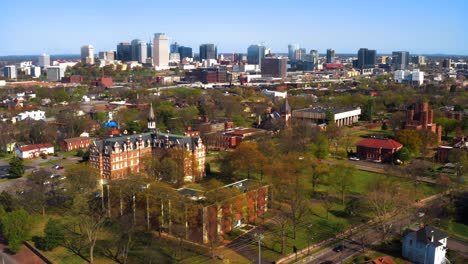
(151, 119)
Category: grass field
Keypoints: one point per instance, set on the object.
(455, 229)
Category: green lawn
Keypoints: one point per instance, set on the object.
(455, 229)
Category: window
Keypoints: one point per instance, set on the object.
(410, 242)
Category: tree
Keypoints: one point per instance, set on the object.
(341, 179)
(396, 120)
(320, 147)
(410, 139)
(16, 167)
(385, 197)
(448, 125)
(16, 228)
(81, 178)
(318, 172)
(84, 224)
(54, 236)
(37, 196)
(403, 154)
(246, 159)
(460, 158)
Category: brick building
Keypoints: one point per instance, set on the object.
(208, 75)
(444, 152)
(420, 117)
(103, 82)
(73, 79)
(217, 219)
(70, 144)
(118, 156)
(377, 149)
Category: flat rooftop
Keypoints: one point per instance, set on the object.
(335, 110)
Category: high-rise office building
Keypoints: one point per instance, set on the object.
(160, 51)
(124, 51)
(9, 71)
(274, 67)
(185, 52)
(43, 60)
(314, 58)
(255, 53)
(149, 49)
(87, 54)
(366, 59)
(174, 47)
(419, 60)
(107, 55)
(400, 60)
(138, 51)
(55, 73)
(330, 56)
(208, 52)
(291, 51)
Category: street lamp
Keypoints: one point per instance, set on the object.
(101, 182)
(309, 227)
(259, 237)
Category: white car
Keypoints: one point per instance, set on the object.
(354, 158)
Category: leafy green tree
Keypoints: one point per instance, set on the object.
(448, 125)
(320, 148)
(410, 139)
(16, 228)
(16, 167)
(404, 154)
(341, 179)
(54, 236)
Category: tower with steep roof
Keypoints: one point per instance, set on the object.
(151, 119)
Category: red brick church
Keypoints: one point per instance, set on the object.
(420, 117)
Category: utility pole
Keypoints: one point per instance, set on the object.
(259, 237)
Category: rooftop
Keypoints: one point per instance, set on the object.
(379, 143)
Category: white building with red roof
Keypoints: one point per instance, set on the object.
(33, 151)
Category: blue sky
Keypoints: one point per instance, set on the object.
(51, 26)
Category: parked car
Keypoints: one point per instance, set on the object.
(354, 158)
(339, 248)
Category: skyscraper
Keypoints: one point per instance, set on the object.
(124, 51)
(366, 59)
(330, 56)
(208, 52)
(255, 53)
(400, 60)
(160, 51)
(43, 60)
(87, 54)
(314, 56)
(291, 50)
(174, 47)
(138, 51)
(185, 52)
(149, 49)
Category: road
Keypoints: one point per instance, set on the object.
(6, 259)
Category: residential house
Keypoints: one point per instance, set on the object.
(427, 245)
(33, 151)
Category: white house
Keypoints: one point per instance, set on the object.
(33, 151)
(35, 115)
(427, 245)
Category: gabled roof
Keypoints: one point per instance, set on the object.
(424, 235)
(76, 139)
(379, 143)
(35, 146)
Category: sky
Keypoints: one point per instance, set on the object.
(62, 27)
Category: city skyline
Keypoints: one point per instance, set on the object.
(421, 27)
